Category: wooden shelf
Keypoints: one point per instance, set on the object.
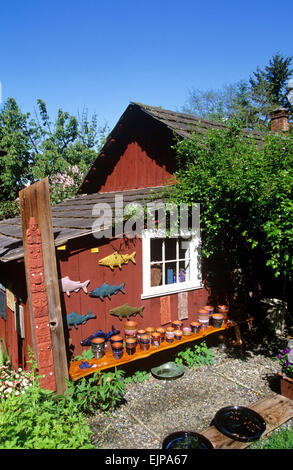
(108, 361)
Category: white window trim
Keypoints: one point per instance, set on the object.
(195, 281)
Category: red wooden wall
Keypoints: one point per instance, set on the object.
(139, 156)
(83, 265)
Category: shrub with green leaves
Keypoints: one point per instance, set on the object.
(37, 420)
(195, 357)
(103, 390)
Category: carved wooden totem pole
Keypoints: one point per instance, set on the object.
(40, 306)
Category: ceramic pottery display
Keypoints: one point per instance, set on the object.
(195, 326)
(130, 328)
(177, 324)
(130, 346)
(203, 315)
(156, 339)
(169, 334)
(224, 309)
(75, 319)
(186, 331)
(126, 311)
(117, 349)
(217, 320)
(115, 259)
(139, 333)
(178, 334)
(106, 290)
(149, 331)
(116, 339)
(98, 345)
(162, 333)
(67, 285)
(203, 324)
(145, 342)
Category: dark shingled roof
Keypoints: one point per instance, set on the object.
(72, 218)
(184, 124)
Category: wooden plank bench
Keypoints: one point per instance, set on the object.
(274, 409)
(108, 361)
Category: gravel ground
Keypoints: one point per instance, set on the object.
(155, 408)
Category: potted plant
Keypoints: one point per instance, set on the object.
(285, 358)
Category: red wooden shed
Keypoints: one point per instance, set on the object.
(163, 276)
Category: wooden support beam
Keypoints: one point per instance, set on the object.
(35, 202)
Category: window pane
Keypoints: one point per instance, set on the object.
(184, 251)
(156, 249)
(170, 273)
(170, 248)
(156, 275)
(184, 271)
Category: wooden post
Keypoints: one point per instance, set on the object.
(35, 203)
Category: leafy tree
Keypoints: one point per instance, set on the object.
(222, 105)
(245, 195)
(269, 86)
(36, 147)
(251, 101)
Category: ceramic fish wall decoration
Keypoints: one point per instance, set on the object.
(100, 334)
(75, 319)
(126, 311)
(115, 259)
(106, 290)
(67, 285)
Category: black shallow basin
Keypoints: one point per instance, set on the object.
(240, 423)
(186, 440)
(168, 371)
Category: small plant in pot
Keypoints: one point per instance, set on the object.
(285, 358)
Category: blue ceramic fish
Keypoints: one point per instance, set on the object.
(75, 319)
(106, 290)
(100, 334)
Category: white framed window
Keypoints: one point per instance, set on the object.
(170, 264)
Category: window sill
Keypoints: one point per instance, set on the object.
(167, 290)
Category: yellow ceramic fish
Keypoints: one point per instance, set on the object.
(115, 259)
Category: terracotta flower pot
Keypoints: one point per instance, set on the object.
(156, 339)
(130, 345)
(162, 333)
(169, 334)
(149, 331)
(186, 331)
(195, 326)
(178, 334)
(177, 324)
(286, 385)
(139, 334)
(217, 320)
(97, 346)
(116, 339)
(117, 349)
(145, 342)
(130, 328)
(203, 314)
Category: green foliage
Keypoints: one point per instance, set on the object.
(37, 419)
(197, 356)
(251, 101)
(62, 150)
(281, 438)
(138, 377)
(101, 391)
(245, 194)
(4, 356)
(86, 355)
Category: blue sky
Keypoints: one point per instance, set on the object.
(100, 55)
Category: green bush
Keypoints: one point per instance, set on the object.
(101, 391)
(196, 357)
(37, 420)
